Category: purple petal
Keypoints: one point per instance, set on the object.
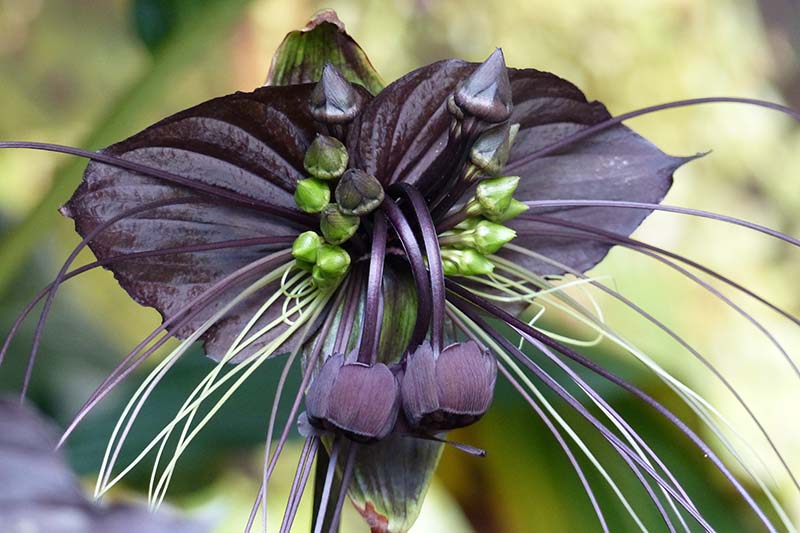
(364, 401)
(420, 394)
(465, 375)
(320, 390)
(249, 143)
(402, 134)
(616, 164)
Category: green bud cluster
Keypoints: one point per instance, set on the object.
(465, 247)
(327, 263)
(341, 196)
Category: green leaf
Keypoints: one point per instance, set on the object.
(304, 52)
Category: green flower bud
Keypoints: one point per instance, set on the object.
(465, 262)
(306, 245)
(358, 193)
(311, 195)
(304, 265)
(332, 264)
(336, 226)
(490, 152)
(495, 195)
(515, 208)
(489, 237)
(469, 223)
(485, 237)
(326, 158)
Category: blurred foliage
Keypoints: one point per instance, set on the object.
(89, 73)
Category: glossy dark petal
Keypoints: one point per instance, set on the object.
(616, 164)
(402, 134)
(40, 492)
(249, 143)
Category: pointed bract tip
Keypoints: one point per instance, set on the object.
(486, 93)
(323, 15)
(334, 100)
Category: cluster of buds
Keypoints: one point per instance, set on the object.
(339, 195)
(434, 392)
(465, 248)
(327, 263)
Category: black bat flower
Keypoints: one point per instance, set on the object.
(370, 232)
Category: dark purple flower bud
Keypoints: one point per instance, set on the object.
(451, 391)
(486, 93)
(355, 399)
(334, 100)
(358, 193)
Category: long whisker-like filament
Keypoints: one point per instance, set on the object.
(298, 485)
(613, 378)
(635, 245)
(537, 204)
(216, 192)
(547, 422)
(591, 130)
(186, 313)
(158, 252)
(696, 402)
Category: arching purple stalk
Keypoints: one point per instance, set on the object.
(680, 340)
(298, 485)
(417, 263)
(352, 292)
(37, 335)
(347, 475)
(373, 314)
(326, 491)
(219, 245)
(191, 310)
(430, 239)
(730, 303)
(662, 207)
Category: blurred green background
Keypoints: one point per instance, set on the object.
(87, 73)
